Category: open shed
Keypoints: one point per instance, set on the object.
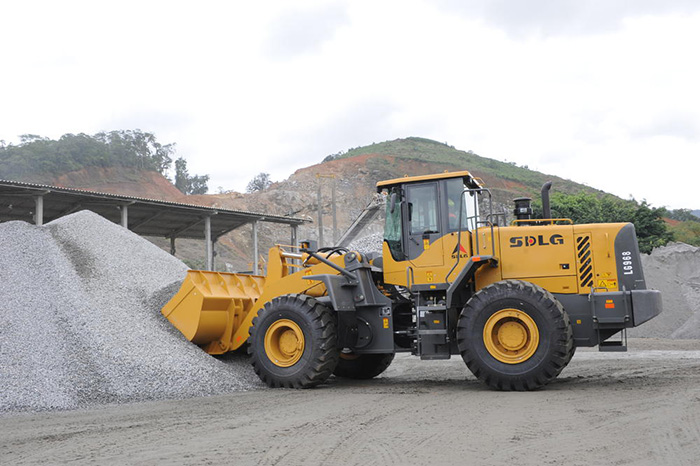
(146, 217)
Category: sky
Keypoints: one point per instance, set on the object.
(602, 92)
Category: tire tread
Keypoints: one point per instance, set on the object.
(563, 347)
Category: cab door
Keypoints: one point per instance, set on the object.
(423, 225)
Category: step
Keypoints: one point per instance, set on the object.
(612, 346)
(432, 332)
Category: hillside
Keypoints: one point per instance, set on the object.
(115, 180)
(129, 162)
(502, 176)
(355, 172)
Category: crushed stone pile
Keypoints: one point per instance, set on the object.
(368, 244)
(80, 321)
(675, 271)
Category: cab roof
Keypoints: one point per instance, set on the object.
(469, 180)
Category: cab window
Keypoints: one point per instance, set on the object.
(392, 229)
(455, 188)
(422, 209)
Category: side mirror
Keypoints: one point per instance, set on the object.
(392, 206)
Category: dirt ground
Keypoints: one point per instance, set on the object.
(640, 407)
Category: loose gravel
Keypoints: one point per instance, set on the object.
(368, 244)
(81, 323)
(675, 271)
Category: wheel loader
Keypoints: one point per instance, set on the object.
(515, 301)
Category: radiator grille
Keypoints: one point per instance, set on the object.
(584, 261)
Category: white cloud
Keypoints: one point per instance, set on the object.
(602, 92)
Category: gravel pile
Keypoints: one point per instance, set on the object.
(81, 322)
(675, 271)
(368, 244)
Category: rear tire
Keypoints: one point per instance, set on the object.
(362, 366)
(514, 335)
(292, 342)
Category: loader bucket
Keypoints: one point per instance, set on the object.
(210, 306)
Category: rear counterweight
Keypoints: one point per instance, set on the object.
(629, 266)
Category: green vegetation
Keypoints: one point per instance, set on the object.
(652, 230)
(686, 227)
(195, 184)
(438, 153)
(682, 215)
(569, 199)
(687, 232)
(260, 182)
(36, 155)
(40, 155)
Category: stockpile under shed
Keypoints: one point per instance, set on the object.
(41, 204)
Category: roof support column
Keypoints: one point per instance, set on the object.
(38, 210)
(125, 216)
(335, 217)
(293, 241)
(320, 214)
(255, 247)
(207, 240)
(172, 245)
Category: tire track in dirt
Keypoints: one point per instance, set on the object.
(613, 410)
(343, 428)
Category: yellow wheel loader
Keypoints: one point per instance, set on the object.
(514, 301)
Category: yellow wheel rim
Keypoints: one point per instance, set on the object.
(511, 336)
(284, 343)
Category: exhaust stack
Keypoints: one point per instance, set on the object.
(546, 210)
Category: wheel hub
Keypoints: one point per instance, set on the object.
(511, 336)
(284, 343)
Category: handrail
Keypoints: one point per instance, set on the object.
(409, 277)
(543, 221)
(332, 265)
(477, 222)
(290, 255)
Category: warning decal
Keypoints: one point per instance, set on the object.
(610, 283)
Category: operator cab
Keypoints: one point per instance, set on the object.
(424, 217)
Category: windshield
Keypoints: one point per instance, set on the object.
(392, 228)
(422, 209)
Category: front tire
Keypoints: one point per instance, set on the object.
(514, 335)
(362, 366)
(292, 342)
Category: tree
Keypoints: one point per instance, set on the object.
(652, 230)
(27, 138)
(260, 183)
(199, 184)
(139, 148)
(37, 155)
(682, 215)
(196, 184)
(648, 221)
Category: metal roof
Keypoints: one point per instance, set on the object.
(147, 217)
(469, 179)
